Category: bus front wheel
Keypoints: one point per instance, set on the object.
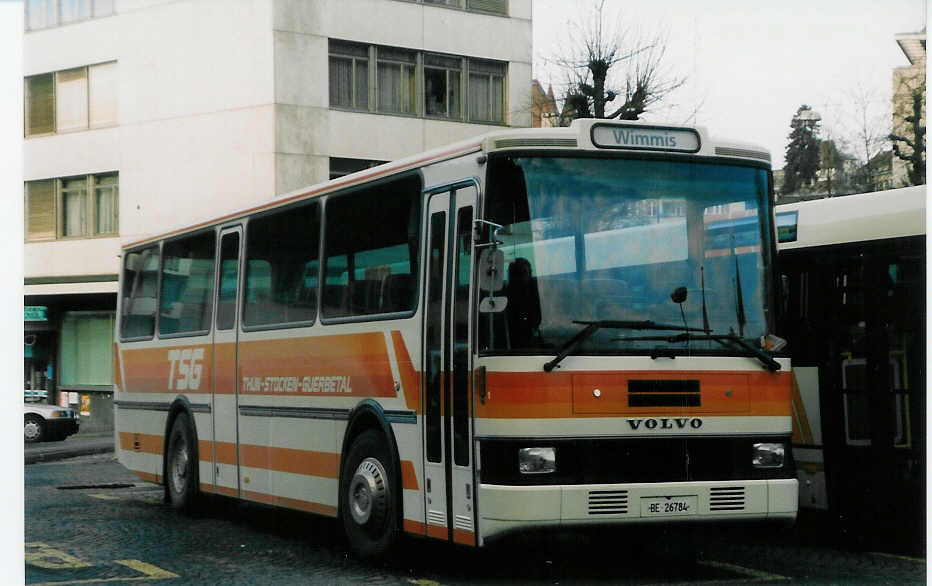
(369, 504)
(181, 465)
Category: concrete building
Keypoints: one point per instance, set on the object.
(908, 82)
(141, 115)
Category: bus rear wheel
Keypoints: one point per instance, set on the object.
(369, 506)
(181, 465)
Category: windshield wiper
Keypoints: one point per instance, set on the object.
(593, 326)
(723, 339)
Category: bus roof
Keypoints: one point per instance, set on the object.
(894, 213)
(583, 134)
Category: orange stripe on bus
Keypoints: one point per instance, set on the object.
(530, 395)
(149, 370)
(146, 443)
(361, 358)
(225, 490)
(437, 532)
(291, 503)
(410, 378)
(464, 537)
(408, 475)
(323, 464)
(414, 527)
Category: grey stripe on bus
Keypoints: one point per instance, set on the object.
(159, 406)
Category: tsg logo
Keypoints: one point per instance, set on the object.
(665, 423)
(186, 367)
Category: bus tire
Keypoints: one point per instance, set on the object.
(369, 503)
(181, 476)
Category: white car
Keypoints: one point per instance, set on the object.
(44, 422)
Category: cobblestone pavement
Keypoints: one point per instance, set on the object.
(89, 521)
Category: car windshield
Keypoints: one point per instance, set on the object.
(596, 239)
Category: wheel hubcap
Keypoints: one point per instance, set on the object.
(368, 493)
(179, 466)
(31, 430)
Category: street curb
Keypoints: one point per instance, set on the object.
(65, 453)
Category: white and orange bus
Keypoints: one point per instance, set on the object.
(532, 329)
(853, 273)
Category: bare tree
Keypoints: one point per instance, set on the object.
(605, 64)
(869, 120)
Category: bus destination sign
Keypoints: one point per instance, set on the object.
(648, 138)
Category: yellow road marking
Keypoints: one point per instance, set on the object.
(149, 570)
(423, 582)
(899, 557)
(44, 556)
(150, 573)
(104, 497)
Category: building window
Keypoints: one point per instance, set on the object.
(349, 75)
(73, 99)
(340, 166)
(396, 82)
(442, 80)
(416, 84)
(86, 349)
(486, 91)
(491, 6)
(72, 207)
(40, 104)
(40, 210)
(42, 14)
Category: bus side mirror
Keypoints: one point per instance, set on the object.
(491, 269)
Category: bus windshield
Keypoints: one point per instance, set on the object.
(681, 243)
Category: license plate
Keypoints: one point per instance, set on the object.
(659, 506)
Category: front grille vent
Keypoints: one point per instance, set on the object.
(664, 393)
(437, 518)
(728, 498)
(608, 502)
(746, 153)
(511, 143)
(462, 522)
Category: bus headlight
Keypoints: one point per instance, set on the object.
(537, 460)
(768, 455)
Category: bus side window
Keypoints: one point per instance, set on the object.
(371, 250)
(282, 267)
(186, 296)
(140, 279)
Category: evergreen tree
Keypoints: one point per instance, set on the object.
(802, 152)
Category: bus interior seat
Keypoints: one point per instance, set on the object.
(397, 293)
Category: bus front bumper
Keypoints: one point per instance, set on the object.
(504, 509)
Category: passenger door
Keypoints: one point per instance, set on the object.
(448, 459)
(225, 389)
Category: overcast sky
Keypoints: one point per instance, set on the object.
(749, 65)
